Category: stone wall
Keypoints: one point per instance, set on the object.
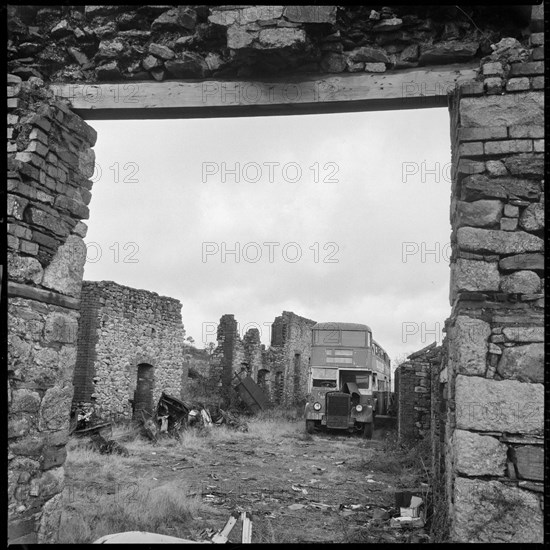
(49, 163)
(494, 430)
(114, 43)
(278, 370)
(288, 358)
(121, 328)
(413, 393)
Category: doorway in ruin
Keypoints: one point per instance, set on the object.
(143, 395)
(278, 397)
(262, 380)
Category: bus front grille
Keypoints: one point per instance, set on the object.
(337, 410)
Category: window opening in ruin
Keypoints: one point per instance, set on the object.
(143, 396)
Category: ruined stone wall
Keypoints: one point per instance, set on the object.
(494, 429)
(136, 43)
(413, 393)
(49, 163)
(283, 377)
(128, 327)
(292, 334)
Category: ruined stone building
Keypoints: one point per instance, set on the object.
(130, 349)
(68, 64)
(280, 370)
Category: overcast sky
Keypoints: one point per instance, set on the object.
(351, 192)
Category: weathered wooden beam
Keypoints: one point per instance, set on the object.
(406, 89)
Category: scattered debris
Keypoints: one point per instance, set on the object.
(100, 444)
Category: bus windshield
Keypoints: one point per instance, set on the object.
(359, 378)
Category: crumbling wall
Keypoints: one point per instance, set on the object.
(289, 356)
(414, 393)
(282, 374)
(49, 163)
(120, 328)
(136, 43)
(494, 430)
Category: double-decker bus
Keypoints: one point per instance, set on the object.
(348, 380)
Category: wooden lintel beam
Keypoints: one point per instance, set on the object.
(406, 89)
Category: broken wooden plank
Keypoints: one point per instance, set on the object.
(247, 529)
(401, 89)
(222, 536)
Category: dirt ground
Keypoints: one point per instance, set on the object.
(299, 488)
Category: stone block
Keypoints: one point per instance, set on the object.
(498, 242)
(494, 68)
(521, 282)
(41, 218)
(532, 218)
(538, 145)
(522, 261)
(526, 165)
(527, 69)
(310, 14)
(518, 84)
(537, 39)
(64, 273)
(523, 334)
(479, 186)
(529, 461)
(511, 211)
(16, 206)
(491, 511)
(471, 149)
(369, 54)
(523, 363)
(475, 276)
(506, 147)
(468, 345)
(24, 269)
(508, 224)
(525, 132)
(504, 110)
(479, 134)
(496, 168)
(486, 405)
(478, 213)
(25, 400)
(538, 83)
(281, 38)
(54, 411)
(478, 455)
(375, 67)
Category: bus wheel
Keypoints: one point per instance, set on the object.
(367, 430)
(310, 426)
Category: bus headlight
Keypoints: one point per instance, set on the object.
(359, 408)
(317, 406)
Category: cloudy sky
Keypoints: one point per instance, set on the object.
(354, 209)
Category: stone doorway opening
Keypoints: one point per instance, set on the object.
(143, 395)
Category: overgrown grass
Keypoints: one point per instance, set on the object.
(139, 507)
